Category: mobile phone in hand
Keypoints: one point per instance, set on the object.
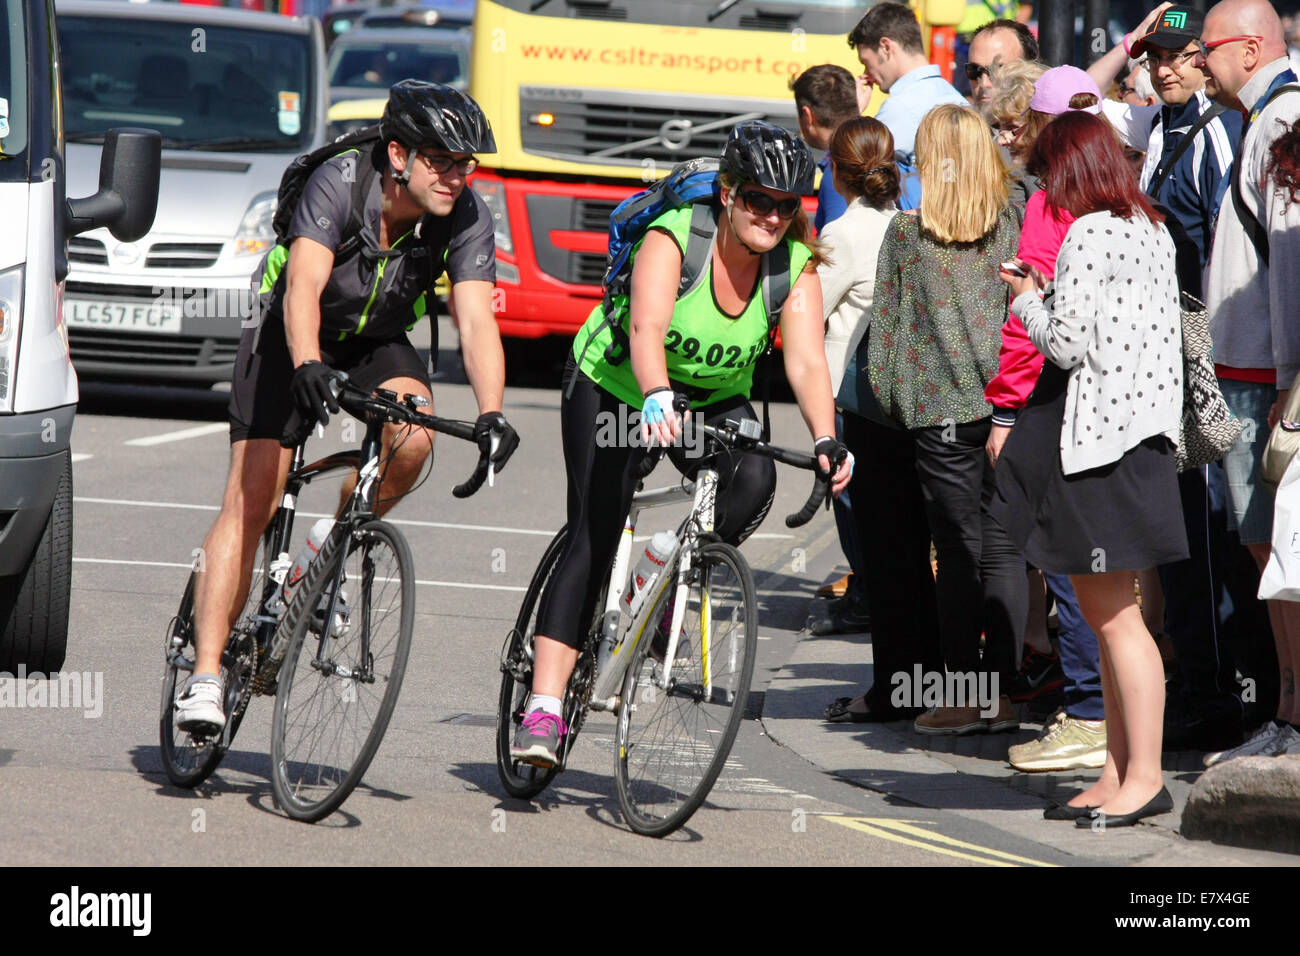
(1015, 269)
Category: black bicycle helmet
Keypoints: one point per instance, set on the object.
(770, 156)
(430, 114)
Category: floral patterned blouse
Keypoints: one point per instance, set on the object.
(936, 322)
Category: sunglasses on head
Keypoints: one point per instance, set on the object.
(974, 72)
(761, 204)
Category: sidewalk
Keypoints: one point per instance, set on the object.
(967, 775)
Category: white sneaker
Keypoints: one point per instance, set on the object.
(198, 710)
(1273, 738)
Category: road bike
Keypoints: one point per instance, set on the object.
(677, 673)
(334, 658)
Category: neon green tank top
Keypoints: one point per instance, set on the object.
(705, 348)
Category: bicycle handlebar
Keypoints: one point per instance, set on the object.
(382, 405)
(743, 437)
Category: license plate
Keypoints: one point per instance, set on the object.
(122, 316)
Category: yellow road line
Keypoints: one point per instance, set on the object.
(908, 833)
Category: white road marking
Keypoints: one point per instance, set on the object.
(177, 564)
(316, 514)
(80, 456)
(181, 435)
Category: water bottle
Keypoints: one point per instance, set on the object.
(311, 547)
(277, 572)
(648, 569)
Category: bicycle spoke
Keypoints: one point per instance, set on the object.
(333, 714)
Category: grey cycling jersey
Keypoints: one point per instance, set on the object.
(371, 292)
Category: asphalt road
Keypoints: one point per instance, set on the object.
(149, 469)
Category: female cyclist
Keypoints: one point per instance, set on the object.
(675, 345)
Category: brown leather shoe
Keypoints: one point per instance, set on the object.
(1006, 720)
(951, 721)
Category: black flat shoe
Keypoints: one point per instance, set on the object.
(1162, 802)
(1063, 811)
(837, 712)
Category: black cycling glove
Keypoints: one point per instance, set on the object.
(495, 422)
(311, 392)
(834, 450)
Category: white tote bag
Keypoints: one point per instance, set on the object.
(1281, 578)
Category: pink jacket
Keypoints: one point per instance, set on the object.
(1019, 362)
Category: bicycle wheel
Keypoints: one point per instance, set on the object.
(187, 760)
(331, 712)
(673, 743)
(523, 780)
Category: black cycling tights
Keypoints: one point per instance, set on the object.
(601, 489)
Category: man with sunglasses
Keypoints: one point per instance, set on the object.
(1252, 284)
(373, 229)
(997, 42)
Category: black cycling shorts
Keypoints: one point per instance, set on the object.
(261, 405)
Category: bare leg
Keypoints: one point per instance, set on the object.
(1112, 774)
(552, 664)
(1137, 676)
(403, 468)
(257, 472)
(1285, 618)
(1153, 600)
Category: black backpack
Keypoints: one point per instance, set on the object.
(361, 141)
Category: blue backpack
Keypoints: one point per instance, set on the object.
(692, 183)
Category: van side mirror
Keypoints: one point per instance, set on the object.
(128, 186)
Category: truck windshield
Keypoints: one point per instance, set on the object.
(201, 86)
(13, 94)
(378, 65)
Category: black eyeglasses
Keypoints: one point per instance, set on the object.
(974, 71)
(443, 164)
(761, 204)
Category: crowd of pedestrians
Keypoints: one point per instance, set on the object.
(1005, 291)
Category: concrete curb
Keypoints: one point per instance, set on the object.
(1242, 807)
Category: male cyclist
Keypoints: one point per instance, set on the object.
(321, 314)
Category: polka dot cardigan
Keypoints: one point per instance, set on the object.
(1111, 319)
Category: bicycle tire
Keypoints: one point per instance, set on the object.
(672, 745)
(523, 780)
(188, 761)
(329, 707)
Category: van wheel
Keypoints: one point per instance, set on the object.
(34, 603)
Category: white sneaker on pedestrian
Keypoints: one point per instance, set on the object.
(198, 710)
(1272, 739)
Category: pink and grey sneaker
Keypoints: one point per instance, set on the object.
(537, 741)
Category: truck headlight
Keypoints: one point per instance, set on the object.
(11, 307)
(493, 194)
(255, 234)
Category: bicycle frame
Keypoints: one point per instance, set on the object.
(274, 632)
(703, 491)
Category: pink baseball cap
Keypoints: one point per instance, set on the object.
(1054, 89)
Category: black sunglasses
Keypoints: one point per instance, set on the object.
(974, 71)
(761, 204)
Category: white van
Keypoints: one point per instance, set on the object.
(237, 95)
(38, 388)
